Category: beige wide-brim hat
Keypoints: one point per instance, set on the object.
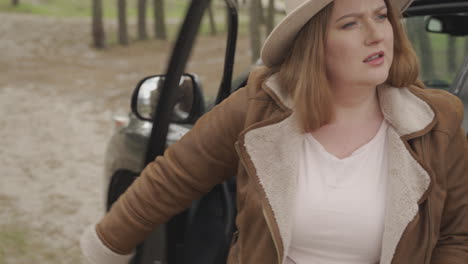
(298, 12)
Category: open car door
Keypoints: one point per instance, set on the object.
(201, 234)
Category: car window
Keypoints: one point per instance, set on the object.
(441, 55)
(442, 58)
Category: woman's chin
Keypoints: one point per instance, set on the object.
(376, 79)
(370, 79)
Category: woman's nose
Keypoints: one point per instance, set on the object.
(374, 34)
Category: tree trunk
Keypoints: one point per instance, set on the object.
(422, 44)
(466, 47)
(15, 2)
(451, 54)
(159, 20)
(99, 37)
(426, 52)
(270, 23)
(142, 35)
(261, 15)
(254, 29)
(212, 20)
(122, 21)
(410, 32)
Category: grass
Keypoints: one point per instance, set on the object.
(13, 241)
(20, 244)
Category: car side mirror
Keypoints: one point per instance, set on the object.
(454, 25)
(189, 104)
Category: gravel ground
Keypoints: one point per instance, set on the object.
(57, 97)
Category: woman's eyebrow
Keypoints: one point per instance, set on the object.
(360, 14)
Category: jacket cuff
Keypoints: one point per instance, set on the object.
(94, 250)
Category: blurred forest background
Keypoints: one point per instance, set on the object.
(129, 23)
(158, 19)
(67, 67)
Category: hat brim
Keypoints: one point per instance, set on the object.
(280, 39)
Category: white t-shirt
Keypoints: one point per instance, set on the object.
(340, 204)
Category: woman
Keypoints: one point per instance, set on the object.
(340, 155)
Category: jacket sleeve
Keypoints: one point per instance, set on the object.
(204, 157)
(452, 245)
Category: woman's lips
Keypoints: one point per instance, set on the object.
(376, 62)
(375, 59)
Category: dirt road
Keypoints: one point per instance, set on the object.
(57, 97)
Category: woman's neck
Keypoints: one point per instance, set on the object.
(356, 105)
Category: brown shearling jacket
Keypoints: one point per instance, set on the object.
(253, 135)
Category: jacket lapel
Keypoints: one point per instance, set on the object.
(273, 150)
(407, 179)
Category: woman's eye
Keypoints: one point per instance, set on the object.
(382, 17)
(348, 25)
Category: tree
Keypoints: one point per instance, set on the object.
(466, 47)
(212, 20)
(422, 44)
(142, 35)
(122, 22)
(260, 14)
(270, 22)
(15, 2)
(255, 29)
(99, 38)
(159, 20)
(451, 54)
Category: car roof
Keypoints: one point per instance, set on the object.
(426, 2)
(433, 7)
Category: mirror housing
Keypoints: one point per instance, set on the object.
(454, 25)
(189, 105)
